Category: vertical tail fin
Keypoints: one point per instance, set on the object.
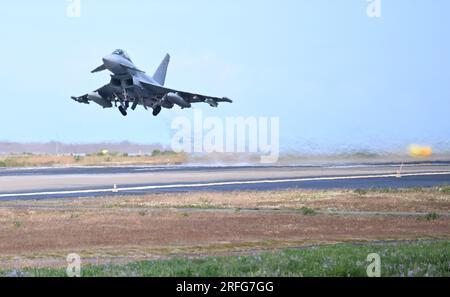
(161, 71)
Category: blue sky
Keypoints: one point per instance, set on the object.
(336, 78)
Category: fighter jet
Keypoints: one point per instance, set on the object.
(130, 87)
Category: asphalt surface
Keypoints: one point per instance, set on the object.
(70, 182)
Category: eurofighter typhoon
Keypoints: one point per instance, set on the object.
(130, 87)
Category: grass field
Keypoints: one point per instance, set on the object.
(231, 234)
(343, 260)
(98, 159)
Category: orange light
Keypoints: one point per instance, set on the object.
(417, 151)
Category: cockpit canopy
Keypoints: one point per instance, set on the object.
(122, 53)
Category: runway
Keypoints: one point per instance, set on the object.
(70, 182)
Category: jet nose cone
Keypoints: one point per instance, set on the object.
(113, 64)
(107, 59)
(110, 62)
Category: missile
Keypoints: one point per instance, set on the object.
(95, 96)
(174, 98)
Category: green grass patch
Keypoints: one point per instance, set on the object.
(346, 260)
(308, 211)
(432, 216)
(17, 224)
(11, 162)
(157, 153)
(444, 189)
(361, 192)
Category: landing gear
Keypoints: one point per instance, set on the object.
(135, 103)
(156, 110)
(122, 110)
(124, 104)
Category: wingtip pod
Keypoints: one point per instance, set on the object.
(82, 99)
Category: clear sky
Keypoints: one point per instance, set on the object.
(336, 78)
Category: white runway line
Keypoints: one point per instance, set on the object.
(212, 184)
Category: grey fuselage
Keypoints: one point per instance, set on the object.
(130, 85)
(122, 67)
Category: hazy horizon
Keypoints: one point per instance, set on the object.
(125, 146)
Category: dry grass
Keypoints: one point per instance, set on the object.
(426, 200)
(90, 160)
(133, 227)
(52, 231)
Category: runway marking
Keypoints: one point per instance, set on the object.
(213, 184)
